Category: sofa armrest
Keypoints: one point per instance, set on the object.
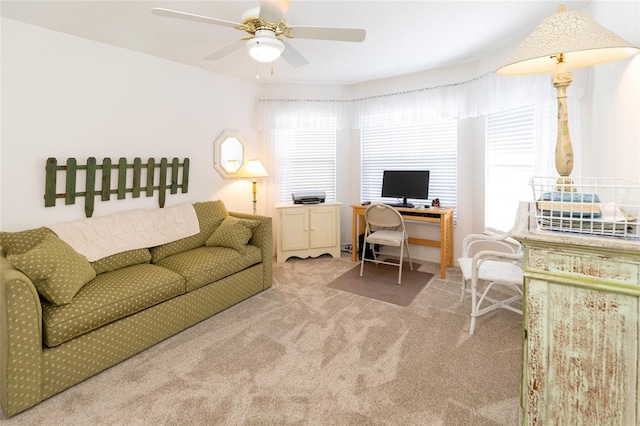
(20, 341)
(263, 239)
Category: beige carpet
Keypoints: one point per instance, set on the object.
(304, 354)
(380, 282)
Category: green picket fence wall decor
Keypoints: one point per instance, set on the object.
(120, 169)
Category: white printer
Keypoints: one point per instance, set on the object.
(311, 197)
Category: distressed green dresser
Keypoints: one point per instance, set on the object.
(580, 327)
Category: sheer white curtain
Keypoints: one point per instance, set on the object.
(303, 114)
(480, 96)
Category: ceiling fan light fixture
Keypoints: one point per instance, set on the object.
(265, 47)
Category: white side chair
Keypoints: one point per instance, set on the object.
(385, 227)
(496, 261)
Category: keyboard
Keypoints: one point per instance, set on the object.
(407, 206)
(419, 212)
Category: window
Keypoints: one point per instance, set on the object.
(431, 146)
(306, 161)
(509, 166)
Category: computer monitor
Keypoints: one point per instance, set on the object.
(405, 184)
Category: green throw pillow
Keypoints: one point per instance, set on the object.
(22, 241)
(210, 214)
(233, 233)
(56, 269)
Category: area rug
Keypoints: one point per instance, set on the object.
(380, 282)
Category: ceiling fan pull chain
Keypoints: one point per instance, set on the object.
(257, 70)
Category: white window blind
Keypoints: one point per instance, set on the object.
(510, 156)
(306, 161)
(430, 147)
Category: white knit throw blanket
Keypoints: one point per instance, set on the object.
(96, 238)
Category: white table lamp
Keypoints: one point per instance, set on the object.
(254, 169)
(564, 41)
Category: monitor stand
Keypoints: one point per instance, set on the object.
(404, 204)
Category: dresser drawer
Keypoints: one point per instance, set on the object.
(584, 265)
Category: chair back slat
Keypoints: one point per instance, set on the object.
(479, 245)
(383, 216)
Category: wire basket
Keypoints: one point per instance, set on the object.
(595, 206)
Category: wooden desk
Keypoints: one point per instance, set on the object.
(441, 215)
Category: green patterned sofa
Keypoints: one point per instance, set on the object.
(57, 329)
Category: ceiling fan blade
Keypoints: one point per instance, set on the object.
(293, 57)
(225, 50)
(191, 17)
(273, 10)
(325, 33)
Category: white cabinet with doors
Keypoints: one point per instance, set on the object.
(307, 230)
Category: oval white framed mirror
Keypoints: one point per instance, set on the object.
(229, 151)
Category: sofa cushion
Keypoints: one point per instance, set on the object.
(110, 296)
(233, 233)
(56, 269)
(22, 241)
(210, 216)
(121, 260)
(204, 265)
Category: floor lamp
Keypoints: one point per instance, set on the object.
(564, 41)
(254, 169)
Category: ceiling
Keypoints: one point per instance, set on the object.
(402, 36)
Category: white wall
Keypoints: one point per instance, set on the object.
(613, 137)
(63, 96)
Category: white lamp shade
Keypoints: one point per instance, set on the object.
(581, 40)
(265, 47)
(254, 169)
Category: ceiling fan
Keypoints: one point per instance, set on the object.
(268, 32)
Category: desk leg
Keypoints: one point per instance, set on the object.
(354, 237)
(450, 226)
(444, 246)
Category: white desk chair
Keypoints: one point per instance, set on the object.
(490, 259)
(379, 218)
